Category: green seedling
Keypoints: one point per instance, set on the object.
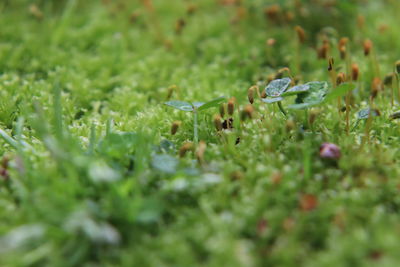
(274, 90)
(195, 107)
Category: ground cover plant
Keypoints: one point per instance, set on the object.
(199, 133)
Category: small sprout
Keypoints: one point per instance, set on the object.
(301, 35)
(271, 42)
(340, 78)
(247, 112)
(367, 47)
(217, 123)
(329, 151)
(222, 109)
(250, 94)
(355, 72)
(308, 202)
(395, 115)
(331, 63)
(231, 106)
(200, 151)
(185, 148)
(175, 127)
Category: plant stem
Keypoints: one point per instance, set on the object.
(195, 126)
(281, 108)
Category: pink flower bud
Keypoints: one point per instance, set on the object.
(329, 151)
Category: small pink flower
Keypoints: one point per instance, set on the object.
(329, 151)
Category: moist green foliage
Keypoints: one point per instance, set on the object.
(92, 175)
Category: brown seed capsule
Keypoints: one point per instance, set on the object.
(354, 72)
(35, 11)
(179, 25)
(343, 42)
(270, 78)
(247, 112)
(185, 148)
(376, 87)
(191, 9)
(323, 51)
(397, 66)
(340, 78)
(290, 125)
(308, 202)
(222, 108)
(250, 94)
(342, 51)
(175, 127)
(231, 106)
(201, 149)
(218, 123)
(361, 21)
(289, 16)
(263, 94)
(271, 42)
(236, 175)
(301, 35)
(133, 17)
(331, 63)
(313, 116)
(272, 12)
(388, 79)
(367, 47)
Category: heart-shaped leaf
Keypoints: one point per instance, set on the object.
(277, 87)
(298, 89)
(211, 104)
(181, 105)
(314, 96)
(272, 100)
(339, 91)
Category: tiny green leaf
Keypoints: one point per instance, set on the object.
(339, 91)
(181, 105)
(364, 113)
(165, 163)
(272, 100)
(210, 104)
(313, 97)
(277, 87)
(298, 89)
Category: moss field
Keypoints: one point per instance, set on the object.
(96, 170)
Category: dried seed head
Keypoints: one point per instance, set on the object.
(355, 71)
(301, 35)
(185, 148)
(201, 149)
(388, 79)
(250, 94)
(329, 151)
(331, 63)
(376, 87)
(289, 16)
(367, 47)
(231, 106)
(397, 66)
(247, 112)
(342, 51)
(271, 42)
(175, 127)
(340, 78)
(218, 123)
(222, 108)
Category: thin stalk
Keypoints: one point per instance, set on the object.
(281, 108)
(195, 127)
